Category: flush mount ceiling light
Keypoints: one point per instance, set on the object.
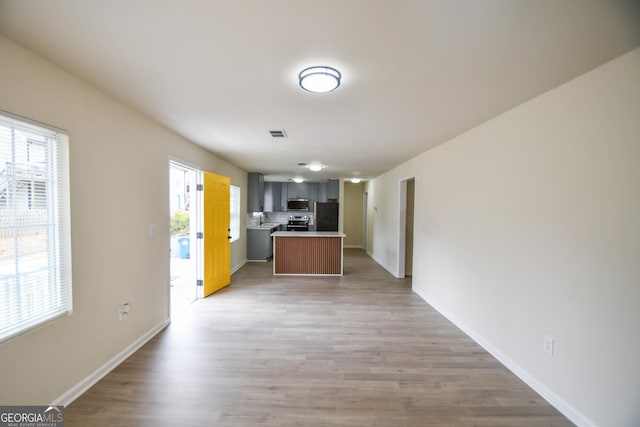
(355, 180)
(315, 167)
(298, 179)
(319, 79)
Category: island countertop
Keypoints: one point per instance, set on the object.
(308, 234)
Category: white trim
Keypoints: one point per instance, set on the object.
(180, 162)
(402, 227)
(53, 273)
(556, 401)
(394, 273)
(402, 223)
(353, 246)
(239, 266)
(365, 218)
(199, 227)
(34, 122)
(77, 390)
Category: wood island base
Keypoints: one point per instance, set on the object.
(308, 253)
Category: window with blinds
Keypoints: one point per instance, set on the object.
(234, 213)
(35, 243)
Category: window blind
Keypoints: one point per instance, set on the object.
(234, 214)
(35, 243)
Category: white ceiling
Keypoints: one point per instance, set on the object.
(415, 73)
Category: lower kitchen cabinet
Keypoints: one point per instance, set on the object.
(259, 244)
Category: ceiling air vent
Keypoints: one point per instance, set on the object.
(278, 133)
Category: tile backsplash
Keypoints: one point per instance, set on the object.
(274, 218)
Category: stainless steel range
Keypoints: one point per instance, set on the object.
(298, 223)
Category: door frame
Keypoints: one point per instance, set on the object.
(195, 222)
(402, 223)
(365, 203)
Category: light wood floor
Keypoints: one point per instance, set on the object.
(361, 350)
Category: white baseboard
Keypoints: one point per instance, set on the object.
(394, 273)
(353, 246)
(77, 390)
(566, 409)
(238, 267)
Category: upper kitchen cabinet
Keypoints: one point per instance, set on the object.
(298, 190)
(255, 192)
(276, 194)
(322, 192)
(333, 189)
(314, 189)
(284, 195)
(273, 197)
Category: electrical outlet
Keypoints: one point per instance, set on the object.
(123, 311)
(548, 345)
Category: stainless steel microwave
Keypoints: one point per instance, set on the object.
(297, 204)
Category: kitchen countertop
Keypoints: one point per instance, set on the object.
(308, 234)
(266, 226)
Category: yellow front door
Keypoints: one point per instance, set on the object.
(217, 251)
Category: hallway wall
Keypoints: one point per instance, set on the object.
(528, 226)
(119, 170)
(353, 214)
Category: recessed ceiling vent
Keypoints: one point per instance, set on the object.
(278, 133)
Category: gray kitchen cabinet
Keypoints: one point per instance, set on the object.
(259, 244)
(298, 190)
(276, 194)
(313, 194)
(333, 190)
(273, 197)
(255, 192)
(322, 192)
(268, 197)
(284, 195)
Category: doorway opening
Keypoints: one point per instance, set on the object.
(183, 210)
(365, 203)
(405, 232)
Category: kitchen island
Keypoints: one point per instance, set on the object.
(308, 253)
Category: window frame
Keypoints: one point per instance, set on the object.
(36, 288)
(234, 212)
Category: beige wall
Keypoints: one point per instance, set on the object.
(119, 184)
(353, 214)
(529, 225)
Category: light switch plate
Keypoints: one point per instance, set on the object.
(548, 345)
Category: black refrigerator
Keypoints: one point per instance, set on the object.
(325, 216)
